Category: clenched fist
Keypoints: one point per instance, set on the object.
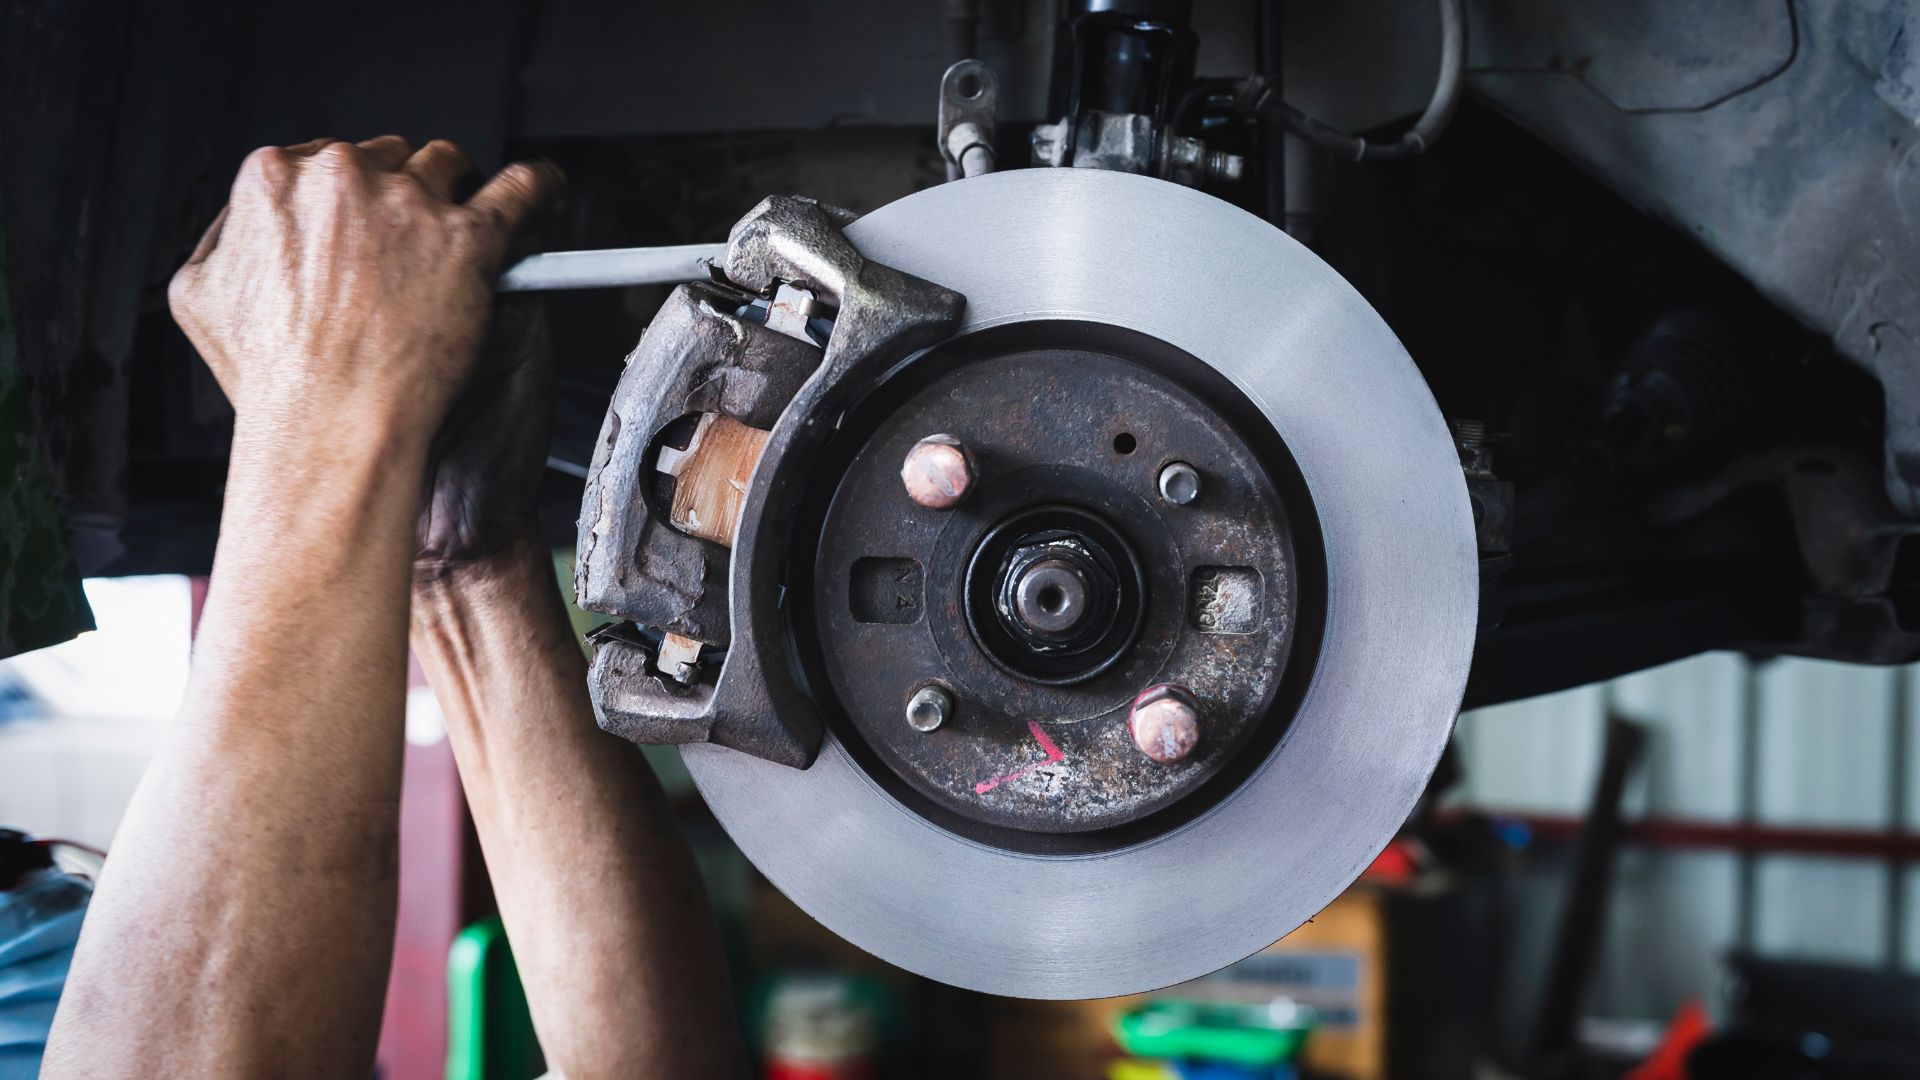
(344, 291)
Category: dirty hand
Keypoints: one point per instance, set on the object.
(483, 473)
(342, 294)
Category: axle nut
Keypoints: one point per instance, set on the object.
(938, 472)
(1051, 597)
(929, 707)
(1165, 722)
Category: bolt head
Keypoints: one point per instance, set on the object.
(929, 707)
(1052, 597)
(1180, 483)
(1165, 722)
(938, 472)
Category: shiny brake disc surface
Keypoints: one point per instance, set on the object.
(1401, 585)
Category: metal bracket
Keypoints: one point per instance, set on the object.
(969, 98)
(697, 356)
(631, 564)
(1133, 142)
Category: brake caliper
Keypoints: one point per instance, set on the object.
(685, 525)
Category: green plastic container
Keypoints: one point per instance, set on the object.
(489, 1030)
(1253, 1035)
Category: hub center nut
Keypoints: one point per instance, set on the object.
(1051, 597)
(1055, 594)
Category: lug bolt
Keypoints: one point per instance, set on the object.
(929, 707)
(938, 472)
(1179, 483)
(1165, 722)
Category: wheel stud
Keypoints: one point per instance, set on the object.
(929, 707)
(938, 473)
(1165, 722)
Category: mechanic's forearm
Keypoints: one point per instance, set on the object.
(244, 922)
(609, 923)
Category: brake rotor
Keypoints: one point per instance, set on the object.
(1318, 598)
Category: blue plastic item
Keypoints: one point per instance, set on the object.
(39, 922)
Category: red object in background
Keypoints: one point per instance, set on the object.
(413, 1030)
(1899, 845)
(1690, 1028)
(438, 872)
(1397, 864)
(819, 1026)
(861, 1069)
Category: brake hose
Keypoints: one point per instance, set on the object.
(1259, 98)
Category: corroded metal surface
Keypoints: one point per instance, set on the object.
(938, 472)
(697, 356)
(693, 360)
(1165, 722)
(1054, 758)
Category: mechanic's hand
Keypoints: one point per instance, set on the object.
(484, 471)
(343, 292)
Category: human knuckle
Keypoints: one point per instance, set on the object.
(400, 188)
(340, 155)
(269, 164)
(519, 178)
(467, 226)
(474, 231)
(181, 292)
(445, 148)
(399, 209)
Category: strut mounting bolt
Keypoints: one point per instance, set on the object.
(938, 472)
(1165, 722)
(1179, 483)
(929, 707)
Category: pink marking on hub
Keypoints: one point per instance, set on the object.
(1046, 745)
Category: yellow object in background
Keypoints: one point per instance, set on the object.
(1141, 1070)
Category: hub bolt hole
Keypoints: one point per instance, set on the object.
(1124, 443)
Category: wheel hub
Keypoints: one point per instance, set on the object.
(1047, 602)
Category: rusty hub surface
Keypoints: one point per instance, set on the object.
(1059, 590)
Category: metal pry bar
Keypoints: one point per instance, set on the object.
(613, 268)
